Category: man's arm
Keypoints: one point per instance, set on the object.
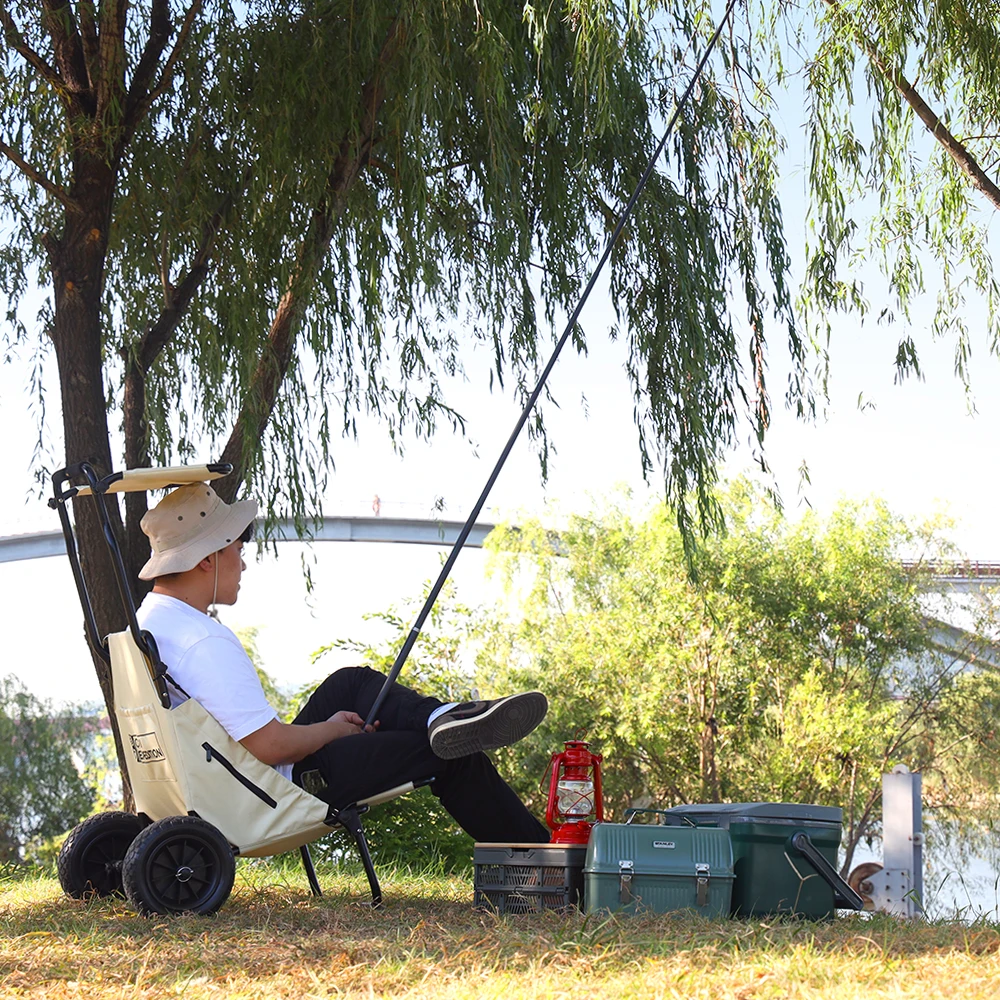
(283, 743)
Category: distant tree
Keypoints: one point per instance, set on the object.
(42, 793)
(800, 665)
(439, 664)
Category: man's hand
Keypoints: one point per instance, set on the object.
(350, 724)
(284, 743)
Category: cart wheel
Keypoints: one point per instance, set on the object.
(90, 861)
(180, 864)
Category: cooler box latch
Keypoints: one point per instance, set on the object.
(626, 869)
(702, 873)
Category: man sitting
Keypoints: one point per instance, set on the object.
(197, 541)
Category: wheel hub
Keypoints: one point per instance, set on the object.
(184, 874)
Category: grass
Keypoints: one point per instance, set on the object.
(274, 940)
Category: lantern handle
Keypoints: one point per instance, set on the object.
(546, 778)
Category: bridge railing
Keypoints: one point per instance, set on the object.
(959, 569)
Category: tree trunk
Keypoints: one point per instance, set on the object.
(709, 732)
(136, 457)
(77, 258)
(77, 261)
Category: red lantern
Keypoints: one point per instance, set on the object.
(574, 794)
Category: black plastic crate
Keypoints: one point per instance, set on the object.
(528, 878)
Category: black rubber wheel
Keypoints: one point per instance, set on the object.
(90, 861)
(180, 864)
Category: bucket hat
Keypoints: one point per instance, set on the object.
(189, 524)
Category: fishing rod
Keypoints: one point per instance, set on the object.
(463, 535)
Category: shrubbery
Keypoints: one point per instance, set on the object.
(778, 662)
(43, 792)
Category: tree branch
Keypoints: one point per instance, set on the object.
(864, 821)
(168, 70)
(16, 41)
(60, 23)
(111, 56)
(159, 34)
(89, 39)
(965, 161)
(39, 178)
(276, 356)
(137, 365)
(138, 102)
(157, 336)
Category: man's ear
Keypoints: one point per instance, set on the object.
(208, 563)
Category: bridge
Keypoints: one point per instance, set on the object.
(961, 575)
(410, 530)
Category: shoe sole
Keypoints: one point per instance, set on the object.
(506, 722)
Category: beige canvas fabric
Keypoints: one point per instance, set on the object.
(173, 772)
(159, 478)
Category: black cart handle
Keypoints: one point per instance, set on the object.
(844, 897)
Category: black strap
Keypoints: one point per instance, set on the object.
(174, 684)
(211, 753)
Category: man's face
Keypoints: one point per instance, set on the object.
(231, 566)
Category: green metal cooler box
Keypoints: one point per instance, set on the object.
(635, 867)
(777, 870)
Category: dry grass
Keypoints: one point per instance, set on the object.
(273, 940)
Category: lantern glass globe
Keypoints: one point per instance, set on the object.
(574, 797)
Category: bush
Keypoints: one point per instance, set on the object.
(42, 793)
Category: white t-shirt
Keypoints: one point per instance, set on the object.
(207, 660)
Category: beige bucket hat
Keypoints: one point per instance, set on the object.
(189, 524)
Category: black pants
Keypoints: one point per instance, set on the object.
(355, 767)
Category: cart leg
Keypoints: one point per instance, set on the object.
(307, 864)
(350, 820)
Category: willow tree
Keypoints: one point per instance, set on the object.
(257, 221)
(902, 120)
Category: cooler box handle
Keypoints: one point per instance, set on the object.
(844, 897)
(663, 817)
